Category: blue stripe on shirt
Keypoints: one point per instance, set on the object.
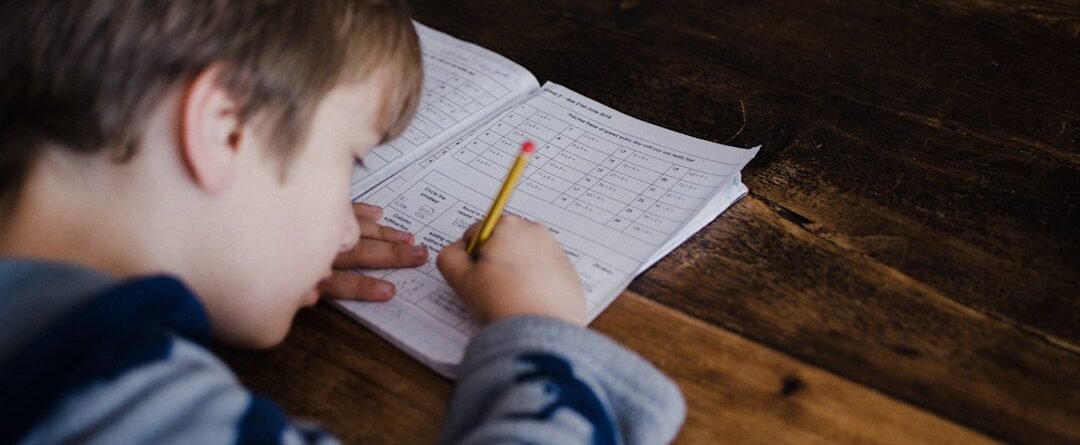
(263, 423)
(127, 326)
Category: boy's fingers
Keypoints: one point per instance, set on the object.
(471, 232)
(353, 286)
(369, 229)
(453, 261)
(367, 211)
(367, 216)
(504, 221)
(373, 253)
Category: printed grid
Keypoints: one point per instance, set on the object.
(632, 192)
(447, 100)
(639, 195)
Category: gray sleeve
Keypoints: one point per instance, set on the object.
(539, 380)
(188, 397)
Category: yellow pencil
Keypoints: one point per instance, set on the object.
(527, 149)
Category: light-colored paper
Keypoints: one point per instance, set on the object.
(463, 83)
(617, 193)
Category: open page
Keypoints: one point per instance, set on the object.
(618, 194)
(463, 84)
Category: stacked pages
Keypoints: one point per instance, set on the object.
(618, 193)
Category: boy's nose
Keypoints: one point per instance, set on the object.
(351, 234)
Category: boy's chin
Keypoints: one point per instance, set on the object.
(264, 329)
(263, 338)
(268, 340)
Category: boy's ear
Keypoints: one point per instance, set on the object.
(210, 131)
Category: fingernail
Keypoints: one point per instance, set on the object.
(405, 237)
(385, 290)
(419, 251)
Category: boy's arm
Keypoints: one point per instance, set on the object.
(535, 379)
(534, 375)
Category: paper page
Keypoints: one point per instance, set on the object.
(463, 84)
(730, 192)
(618, 194)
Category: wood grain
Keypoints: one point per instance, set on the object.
(776, 283)
(905, 268)
(911, 140)
(737, 391)
(740, 392)
(854, 113)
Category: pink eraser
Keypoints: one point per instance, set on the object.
(528, 147)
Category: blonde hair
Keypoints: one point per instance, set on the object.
(82, 75)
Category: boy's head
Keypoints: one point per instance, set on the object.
(222, 133)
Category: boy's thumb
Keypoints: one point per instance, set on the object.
(471, 232)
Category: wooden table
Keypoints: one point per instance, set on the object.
(905, 269)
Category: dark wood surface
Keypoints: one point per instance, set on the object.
(905, 269)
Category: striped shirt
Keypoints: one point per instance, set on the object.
(89, 359)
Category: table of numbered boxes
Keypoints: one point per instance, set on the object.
(575, 169)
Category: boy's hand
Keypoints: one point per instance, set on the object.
(379, 247)
(520, 270)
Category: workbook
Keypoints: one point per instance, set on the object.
(617, 193)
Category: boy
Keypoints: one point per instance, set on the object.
(175, 170)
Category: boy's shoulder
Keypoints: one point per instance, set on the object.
(37, 293)
(123, 360)
(51, 307)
